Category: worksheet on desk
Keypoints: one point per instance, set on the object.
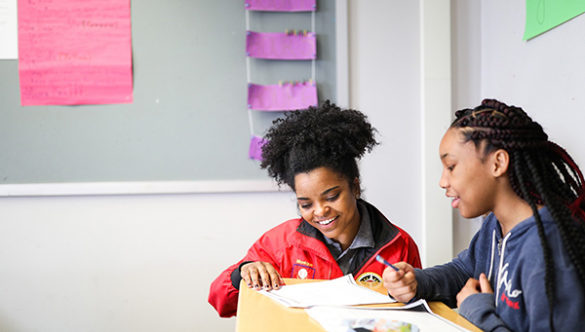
(343, 319)
(341, 291)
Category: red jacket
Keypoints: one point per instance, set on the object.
(295, 250)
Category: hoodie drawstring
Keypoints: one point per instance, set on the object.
(500, 267)
(492, 257)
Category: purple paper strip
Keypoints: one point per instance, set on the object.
(285, 97)
(283, 46)
(281, 5)
(256, 144)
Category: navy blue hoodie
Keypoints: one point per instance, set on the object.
(514, 265)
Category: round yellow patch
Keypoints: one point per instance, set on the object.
(370, 280)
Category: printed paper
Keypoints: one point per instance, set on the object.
(339, 319)
(75, 52)
(282, 97)
(340, 291)
(281, 46)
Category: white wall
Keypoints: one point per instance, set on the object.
(385, 84)
(406, 95)
(124, 263)
(466, 92)
(545, 76)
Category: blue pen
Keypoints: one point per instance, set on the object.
(385, 262)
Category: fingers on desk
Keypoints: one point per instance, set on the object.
(261, 275)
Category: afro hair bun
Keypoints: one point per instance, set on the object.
(319, 136)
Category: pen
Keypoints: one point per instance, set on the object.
(385, 262)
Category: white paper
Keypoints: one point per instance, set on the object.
(341, 291)
(420, 305)
(8, 32)
(342, 319)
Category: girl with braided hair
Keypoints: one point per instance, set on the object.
(525, 268)
(315, 153)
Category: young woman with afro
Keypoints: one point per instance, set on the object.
(524, 270)
(315, 153)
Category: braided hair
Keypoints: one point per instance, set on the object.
(324, 136)
(541, 173)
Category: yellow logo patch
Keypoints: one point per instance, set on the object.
(304, 263)
(370, 280)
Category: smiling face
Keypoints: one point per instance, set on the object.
(467, 175)
(327, 200)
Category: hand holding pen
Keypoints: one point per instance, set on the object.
(399, 280)
(385, 262)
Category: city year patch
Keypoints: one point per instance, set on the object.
(370, 279)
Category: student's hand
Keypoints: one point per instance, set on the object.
(474, 286)
(261, 275)
(401, 284)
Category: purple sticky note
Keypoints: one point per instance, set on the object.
(256, 144)
(281, 46)
(281, 5)
(282, 97)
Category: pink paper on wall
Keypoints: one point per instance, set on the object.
(281, 5)
(256, 144)
(283, 97)
(75, 52)
(281, 46)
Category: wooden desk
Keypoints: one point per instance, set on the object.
(258, 313)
